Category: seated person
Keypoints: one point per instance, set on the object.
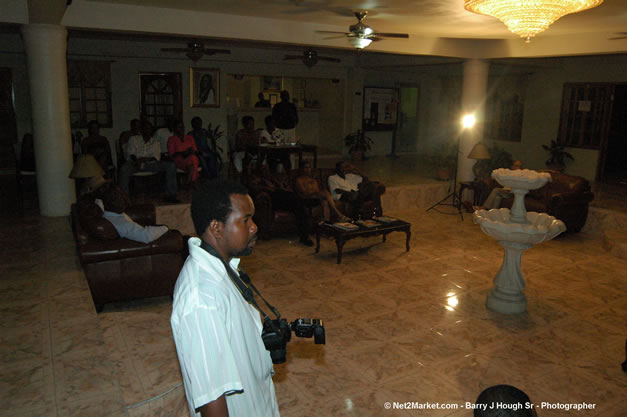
(349, 186)
(182, 149)
(113, 204)
(498, 194)
(135, 129)
(262, 101)
(144, 154)
(284, 198)
(208, 159)
(163, 134)
(244, 137)
(309, 190)
(272, 135)
(98, 146)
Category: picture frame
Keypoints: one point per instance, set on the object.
(204, 88)
(274, 99)
(272, 83)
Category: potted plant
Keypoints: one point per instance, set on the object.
(358, 144)
(557, 156)
(443, 161)
(213, 136)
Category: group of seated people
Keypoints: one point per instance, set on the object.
(249, 135)
(144, 149)
(346, 185)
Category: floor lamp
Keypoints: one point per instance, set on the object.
(468, 121)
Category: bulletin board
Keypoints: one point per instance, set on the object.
(380, 108)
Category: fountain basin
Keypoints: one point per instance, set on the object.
(521, 179)
(539, 227)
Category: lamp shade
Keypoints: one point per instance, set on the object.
(479, 151)
(86, 166)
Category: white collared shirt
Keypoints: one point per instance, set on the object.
(350, 182)
(142, 149)
(218, 340)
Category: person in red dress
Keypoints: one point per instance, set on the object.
(183, 151)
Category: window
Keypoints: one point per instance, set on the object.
(161, 97)
(89, 85)
(585, 114)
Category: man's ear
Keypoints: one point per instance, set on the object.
(216, 228)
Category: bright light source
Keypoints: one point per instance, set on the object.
(468, 120)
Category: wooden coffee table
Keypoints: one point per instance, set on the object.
(341, 235)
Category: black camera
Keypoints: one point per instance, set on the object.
(276, 333)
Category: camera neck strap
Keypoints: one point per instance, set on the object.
(242, 282)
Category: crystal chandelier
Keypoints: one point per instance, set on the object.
(527, 18)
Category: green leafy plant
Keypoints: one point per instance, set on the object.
(213, 136)
(557, 154)
(499, 158)
(358, 141)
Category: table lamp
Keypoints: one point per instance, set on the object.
(85, 167)
(478, 152)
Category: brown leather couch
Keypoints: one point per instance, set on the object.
(565, 197)
(273, 222)
(120, 269)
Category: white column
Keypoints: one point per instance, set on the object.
(474, 91)
(46, 47)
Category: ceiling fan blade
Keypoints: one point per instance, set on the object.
(292, 57)
(334, 37)
(331, 31)
(392, 35)
(617, 38)
(208, 51)
(323, 58)
(174, 49)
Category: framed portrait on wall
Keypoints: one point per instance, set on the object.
(204, 87)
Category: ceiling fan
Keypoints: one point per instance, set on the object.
(310, 58)
(195, 50)
(624, 36)
(360, 35)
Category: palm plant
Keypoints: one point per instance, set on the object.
(557, 155)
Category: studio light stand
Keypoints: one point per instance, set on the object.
(455, 202)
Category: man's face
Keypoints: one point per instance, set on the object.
(135, 127)
(307, 169)
(196, 124)
(341, 170)
(517, 165)
(240, 231)
(250, 125)
(147, 130)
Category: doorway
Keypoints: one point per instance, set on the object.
(408, 119)
(614, 166)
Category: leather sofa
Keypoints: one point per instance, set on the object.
(566, 197)
(273, 222)
(120, 269)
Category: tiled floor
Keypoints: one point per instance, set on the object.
(401, 326)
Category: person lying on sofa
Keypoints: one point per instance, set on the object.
(113, 204)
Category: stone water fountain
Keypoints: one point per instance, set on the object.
(516, 230)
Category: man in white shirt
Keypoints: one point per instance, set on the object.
(163, 134)
(144, 154)
(350, 186)
(274, 136)
(226, 368)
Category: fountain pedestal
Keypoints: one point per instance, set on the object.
(516, 231)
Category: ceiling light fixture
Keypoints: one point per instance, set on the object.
(527, 18)
(359, 43)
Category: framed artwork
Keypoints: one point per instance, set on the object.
(273, 83)
(380, 108)
(204, 88)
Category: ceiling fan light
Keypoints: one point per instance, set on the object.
(194, 55)
(359, 43)
(527, 18)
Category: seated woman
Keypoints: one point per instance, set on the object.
(309, 190)
(182, 149)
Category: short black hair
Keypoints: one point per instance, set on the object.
(212, 201)
(268, 118)
(503, 394)
(246, 118)
(339, 164)
(196, 119)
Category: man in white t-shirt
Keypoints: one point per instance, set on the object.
(226, 368)
(347, 185)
